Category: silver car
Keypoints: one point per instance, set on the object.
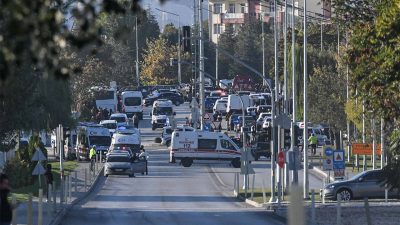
(118, 164)
(365, 184)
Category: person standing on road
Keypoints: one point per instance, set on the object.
(135, 120)
(49, 179)
(313, 142)
(92, 157)
(5, 206)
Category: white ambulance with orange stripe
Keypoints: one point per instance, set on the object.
(203, 145)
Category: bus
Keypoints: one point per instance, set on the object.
(106, 98)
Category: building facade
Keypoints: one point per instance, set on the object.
(223, 13)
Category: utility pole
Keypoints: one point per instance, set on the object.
(305, 107)
(216, 61)
(295, 175)
(137, 55)
(194, 43)
(285, 74)
(373, 143)
(273, 101)
(179, 51)
(363, 136)
(347, 99)
(263, 45)
(383, 151)
(201, 71)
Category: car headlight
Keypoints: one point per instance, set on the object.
(330, 186)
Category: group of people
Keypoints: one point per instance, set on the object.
(99, 114)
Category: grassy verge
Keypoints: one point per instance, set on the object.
(22, 193)
(258, 195)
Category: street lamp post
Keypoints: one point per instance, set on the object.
(137, 55)
(179, 42)
(305, 107)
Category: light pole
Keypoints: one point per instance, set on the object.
(305, 107)
(179, 43)
(137, 55)
(293, 141)
(201, 63)
(263, 45)
(216, 59)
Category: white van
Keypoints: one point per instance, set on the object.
(132, 103)
(89, 135)
(131, 141)
(203, 145)
(220, 106)
(162, 114)
(235, 105)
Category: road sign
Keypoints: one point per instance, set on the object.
(38, 156)
(338, 163)
(206, 117)
(39, 170)
(284, 121)
(365, 149)
(281, 159)
(327, 163)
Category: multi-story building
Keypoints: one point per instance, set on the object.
(223, 13)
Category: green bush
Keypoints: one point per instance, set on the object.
(19, 172)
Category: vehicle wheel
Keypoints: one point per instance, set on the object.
(157, 140)
(236, 162)
(168, 143)
(187, 162)
(345, 194)
(177, 103)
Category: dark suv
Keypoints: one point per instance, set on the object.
(175, 98)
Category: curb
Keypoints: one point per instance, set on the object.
(57, 219)
(322, 173)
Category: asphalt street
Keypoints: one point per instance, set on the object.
(170, 194)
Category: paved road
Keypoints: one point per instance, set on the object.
(170, 194)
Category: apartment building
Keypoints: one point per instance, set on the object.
(223, 13)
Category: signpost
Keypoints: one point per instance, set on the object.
(327, 163)
(38, 170)
(281, 159)
(365, 149)
(338, 164)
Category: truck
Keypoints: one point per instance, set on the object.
(90, 135)
(162, 114)
(235, 104)
(203, 145)
(132, 103)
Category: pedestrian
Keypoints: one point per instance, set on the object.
(313, 141)
(187, 122)
(135, 120)
(92, 157)
(49, 179)
(5, 206)
(105, 114)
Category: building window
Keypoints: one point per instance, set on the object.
(243, 8)
(217, 8)
(231, 8)
(217, 29)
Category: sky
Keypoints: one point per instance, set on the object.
(184, 8)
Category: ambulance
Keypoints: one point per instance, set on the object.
(90, 135)
(162, 114)
(203, 145)
(125, 140)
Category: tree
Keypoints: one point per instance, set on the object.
(156, 68)
(226, 42)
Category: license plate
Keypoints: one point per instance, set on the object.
(119, 170)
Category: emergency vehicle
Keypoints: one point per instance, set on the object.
(203, 145)
(132, 103)
(90, 135)
(121, 140)
(162, 114)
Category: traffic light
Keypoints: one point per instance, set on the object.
(186, 38)
(286, 138)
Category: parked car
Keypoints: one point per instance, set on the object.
(260, 119)
(365, 184)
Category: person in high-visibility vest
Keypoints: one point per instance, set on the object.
(92, 157)
(313, 142)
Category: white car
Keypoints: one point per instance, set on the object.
(220, 106)
(260, 119)
(266, 123)
(111, 125)
(121, 118)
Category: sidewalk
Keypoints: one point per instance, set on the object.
(54, 211)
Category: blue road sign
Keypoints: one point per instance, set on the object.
(338, 160)
(328, 151)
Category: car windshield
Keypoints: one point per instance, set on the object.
(118, 159)
(119, 119)
(100, 140)
(133, 101)
(110, 125)
(163, 111)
